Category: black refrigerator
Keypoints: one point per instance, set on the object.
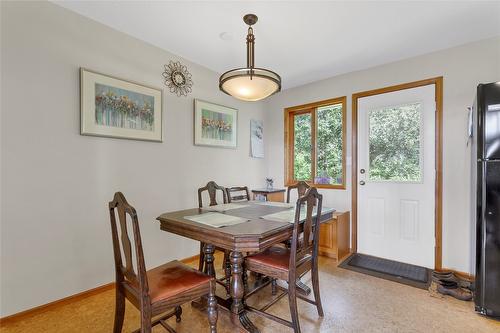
(485, 133)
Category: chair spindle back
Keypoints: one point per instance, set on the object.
(212, 189)
(301, 187)
(239, 196)
(303, 249)
(124, 266)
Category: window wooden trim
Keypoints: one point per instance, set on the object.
(289, 113)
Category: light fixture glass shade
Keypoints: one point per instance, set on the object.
(250, 84)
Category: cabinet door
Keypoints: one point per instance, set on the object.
(325, 235)
(276, 197)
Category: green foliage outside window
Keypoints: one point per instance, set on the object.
(329, 145)
(302, 147)
(394, 143)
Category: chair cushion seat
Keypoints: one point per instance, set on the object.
(276, 257)
(172, 279)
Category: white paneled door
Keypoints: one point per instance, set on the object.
(396, 175)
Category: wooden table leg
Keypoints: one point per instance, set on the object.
(208, 268)
(209, 250)
(238, 313)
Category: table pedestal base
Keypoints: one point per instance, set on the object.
(239, 320)
(302, 288)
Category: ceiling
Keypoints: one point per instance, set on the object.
(303, 41)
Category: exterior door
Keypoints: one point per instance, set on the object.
(396, 175)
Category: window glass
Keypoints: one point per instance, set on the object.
(329, 145)
(395, 144)
(302, 162)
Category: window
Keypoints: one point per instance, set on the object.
(315, 143)
(394, 144)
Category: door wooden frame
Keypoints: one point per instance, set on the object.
(438, 192)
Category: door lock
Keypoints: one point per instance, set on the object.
(362, 171)
(362, 182)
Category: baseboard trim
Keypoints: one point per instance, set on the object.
(462, 275)
(70, 299)
(188, 260)
(52, 305)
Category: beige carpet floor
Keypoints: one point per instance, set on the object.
(353, 302)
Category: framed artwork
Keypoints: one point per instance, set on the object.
(117, 108)
(257, 138)
(215, 125)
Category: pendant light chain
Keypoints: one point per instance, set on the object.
(250, 50)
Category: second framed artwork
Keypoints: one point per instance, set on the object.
(215, 125)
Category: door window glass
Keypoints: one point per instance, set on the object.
(395, 143)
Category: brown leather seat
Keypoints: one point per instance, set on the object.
(173, 278)
(276, 257)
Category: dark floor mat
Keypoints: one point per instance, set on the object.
(412, 275)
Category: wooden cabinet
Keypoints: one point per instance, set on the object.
(334, 236)
(276, 194)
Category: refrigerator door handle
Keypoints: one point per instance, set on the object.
(470, 125)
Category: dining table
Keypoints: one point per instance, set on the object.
(240, 228)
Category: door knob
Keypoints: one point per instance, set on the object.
(362, 182)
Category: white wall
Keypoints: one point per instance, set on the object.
(462, 68)
(55, 231)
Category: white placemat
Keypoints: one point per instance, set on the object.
(275, 204)
(216, 220)
(224, 207)
(289, 214)
(284, 216)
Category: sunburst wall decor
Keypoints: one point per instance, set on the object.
(178, 79)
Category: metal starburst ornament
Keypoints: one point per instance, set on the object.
(178, 79)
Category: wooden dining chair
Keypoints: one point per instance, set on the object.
(301, 187)
(157, 290)
(237, 193)
(211, 188)
(289, 264)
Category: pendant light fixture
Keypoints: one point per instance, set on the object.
(250, 83)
